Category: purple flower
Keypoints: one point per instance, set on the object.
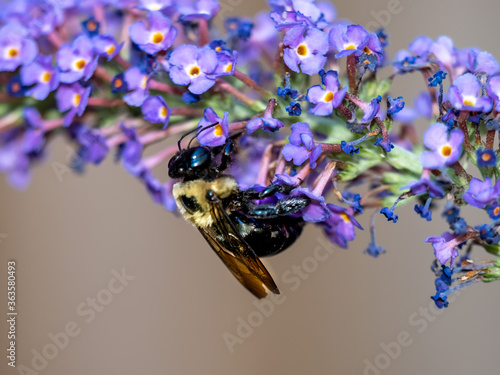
(493, 89)
(197, 9)
(93, 148)
(267, 123)
(316, 211)
(193, 66)
(494, 211)
(34, 139)
(155, 5)
(72, 98)
(213, 135)
(482, 61)
(301, 145)
(421, 46)
(339, 228)
(77, 61)
(106, 46)
(406, 62)
(16, 47)
(294, 109)
(305, 47)
(135, 81)
(486, 158)
(42, 75)
(15, 164)
(156, 110)
(226, 63)
(159, 37)
(446, 146)
(370, 110)
(348, 40)
(444, 247)
(131, 151)
(464, 94)
(425, 185)
(481, 194)
(40, 17)
(326, 99)
(444, 51)
(394, 105)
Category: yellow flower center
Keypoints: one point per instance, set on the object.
(345, 217)
(80, 64)
(144, 81)
(157, 38)
(367, 51)
(13, 52)
(218, 49)
(111, 49)
(486, 157)
(329, 97)
(349, 46)
(163, 112)
(496, 211)
(218, 130)
(229, 67)
(46, 77)
(302, 50)
(194, 71)
(446, 151)
(76, 100)
(469, 101)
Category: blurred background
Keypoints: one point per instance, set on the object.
(181, 311)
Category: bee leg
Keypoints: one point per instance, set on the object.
(268, 191)
(226, 155)
(283, 207)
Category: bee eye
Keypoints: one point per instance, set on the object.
(199, 157)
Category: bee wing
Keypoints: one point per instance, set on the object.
(237, 255)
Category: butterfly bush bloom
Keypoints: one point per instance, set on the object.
(72, 98)
(156, 110)
(464, 94)
(493, 89)
(444, 247)
(326, 99)
(348, 40)
(486, 158)
(16, 47)
(213, 135)
(198, 9)
(339, 228)
(77, 61)
(106, 46)
(446, 146)
(305, 47)
(482, 61)
(301, 146)
(159, 37)
(41, 75)
(481, 194)
(193, 66)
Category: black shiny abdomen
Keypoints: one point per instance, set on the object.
(268, 236)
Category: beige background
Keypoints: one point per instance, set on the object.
(68, 236)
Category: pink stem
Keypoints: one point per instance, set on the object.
(157, 158)
(251, 83)
(325, 177)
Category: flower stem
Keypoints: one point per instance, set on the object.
(324, 178)
(203, 30)
(163, 87)
(490, 139)
(106, 102)
(462, 123)
(330, 148)
(460, 171)
(230, 89)
(157, 158)
(251, 83)
(351, 73)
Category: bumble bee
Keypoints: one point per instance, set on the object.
(238, 227)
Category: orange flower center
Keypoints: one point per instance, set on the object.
(194, 71)
(329, 97)
(13, 52)
(118, 83)
(91, 26)
(486, 157)
(302, 50)
(229, 67)
(46, 77)
(446, 151)
(163, 112)
(367, 50)
(80, 64)
(16, 87)
(345, 217)
(111, 49)
(496, 211)
(350, 46)
(76, 100)
(157, 38)
(218, 130)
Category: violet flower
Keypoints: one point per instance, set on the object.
(301, 146)
(77, 61)
(444, 247)
(16, 47)
(348, 40)
(191, 10)
(135, 80)
(213, 135)
(465, 92)
(159, 36)
(326, 99)
(482, 61)
(339, 228)
(193, 66)
(305, 47)
(156, 110)
(42, 75)
(106, 46)
(446, 146)
(493, 90)
(481, 194)
(72, 98)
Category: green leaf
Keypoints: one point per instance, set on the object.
(403, 159)
(373, 88)
(358, 163)
(493, 249)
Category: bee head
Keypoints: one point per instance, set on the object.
(192, 162)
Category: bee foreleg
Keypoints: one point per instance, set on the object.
(283, 207)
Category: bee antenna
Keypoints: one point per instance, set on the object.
(201, 130)
(185, 135)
